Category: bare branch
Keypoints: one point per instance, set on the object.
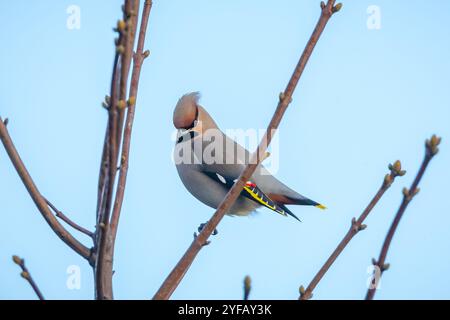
(355, 227)
(27, 276)
(114, 106)
(38, 199)
(103, 276)
(67, 220)
(431, 149)
(109, 228)
(138, 59)
(177, 274)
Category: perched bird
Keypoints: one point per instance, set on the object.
(209, 162)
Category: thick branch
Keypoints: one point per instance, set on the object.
(356, 226)
(177, 274)
(38, 199)
(116, 107)
(127, 30)
(108, 167)
(431, 149)
(109, 227)
(138, 59)
(27, 276)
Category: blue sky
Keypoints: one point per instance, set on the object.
(367, 98)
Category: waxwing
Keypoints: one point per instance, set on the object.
(209, 162)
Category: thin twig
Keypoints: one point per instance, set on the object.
(130, 16)
(247, 287)
(67, 220)
(105, 185)
(38, 199)
(356, 226)
(431, 149)
(177, 274)
(27, 276)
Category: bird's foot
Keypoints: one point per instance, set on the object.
(200, 229)
(207, 242)
(202, 225)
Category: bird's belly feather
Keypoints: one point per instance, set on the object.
(210, 192)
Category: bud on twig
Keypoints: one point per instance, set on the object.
(247, 287)
(432, 145)
(405, 192)
(120, 49)
(301, 290)
(121, 25)
(396, 169)
(303, 294)
(121, 104)
(131, 101)
(17, 260)
(337, 7)
(408, 194)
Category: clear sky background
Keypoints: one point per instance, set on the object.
(367, 98)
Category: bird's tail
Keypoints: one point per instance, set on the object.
(303, 201)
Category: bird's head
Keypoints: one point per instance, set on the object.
(190, 118)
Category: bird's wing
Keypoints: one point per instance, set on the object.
(235, 162)
(254, 193)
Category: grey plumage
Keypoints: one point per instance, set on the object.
(208, 179)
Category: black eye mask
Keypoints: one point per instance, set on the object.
(187, 136)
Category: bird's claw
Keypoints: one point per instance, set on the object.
(202, 225)
(200, 229)
(204, 244)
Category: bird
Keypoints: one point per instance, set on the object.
(209, 162)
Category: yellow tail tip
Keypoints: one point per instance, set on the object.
(321, 206)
